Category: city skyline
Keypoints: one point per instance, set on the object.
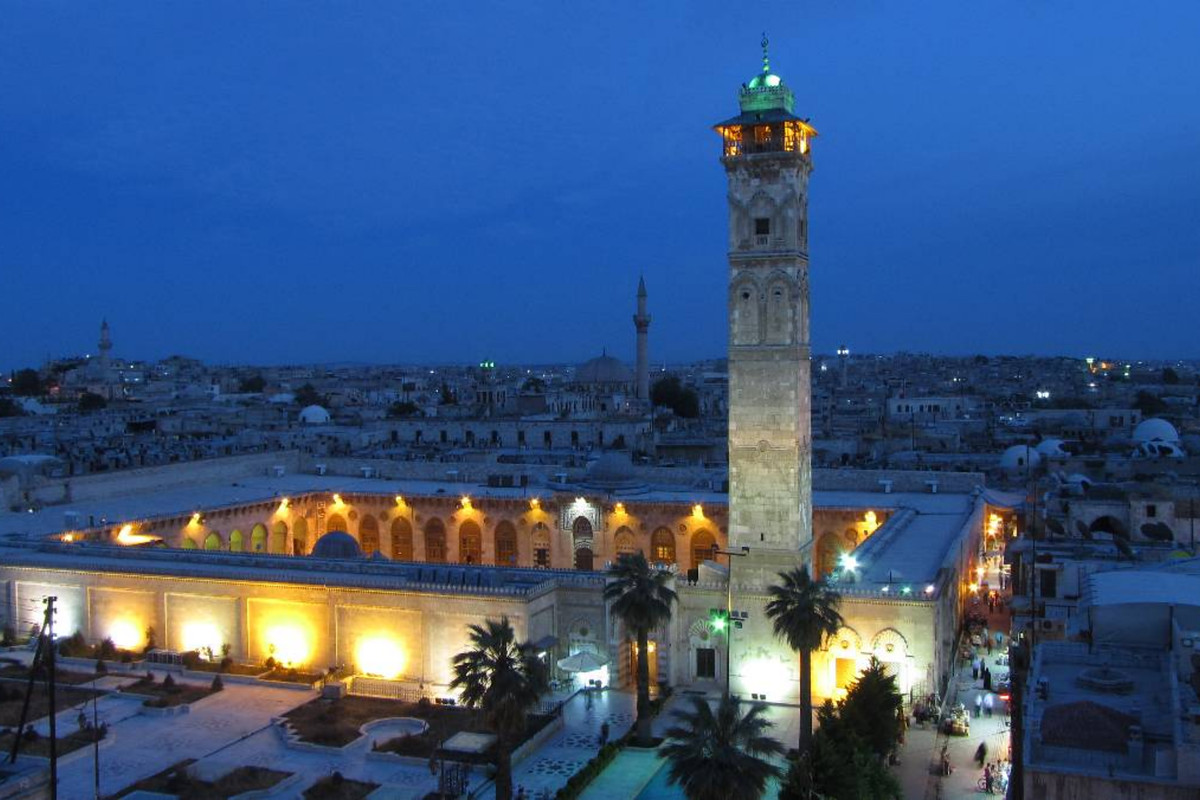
(287, 194)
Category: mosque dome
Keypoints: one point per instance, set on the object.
(1155, 430)
(603, 369)
(1019, 456)
(314, 415)
(613, 473)
(336, 544)
(765, 80)
(1051, 448)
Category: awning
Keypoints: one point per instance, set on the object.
(545, 643)
(582, 662)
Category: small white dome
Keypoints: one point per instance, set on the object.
(1155, 430)
(1051, 448)
(314, 415)
(1019, 456)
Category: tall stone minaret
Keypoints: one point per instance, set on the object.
(767, 161)
(105, 346)
(641, 321)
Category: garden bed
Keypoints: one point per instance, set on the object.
(61, 676)
(335, 787)
(167, 695)
(40, 746)
(291, 676)
(251, 670)
(174, 780)
(39, 703)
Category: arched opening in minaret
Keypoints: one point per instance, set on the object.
(368, 535)
(581, 534)
(470, 543)
(662, 546)
(402, 540)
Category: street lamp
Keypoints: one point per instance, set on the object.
(726, 624)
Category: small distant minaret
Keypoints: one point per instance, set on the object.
(105, 345)
(641, 321)
(844, 358)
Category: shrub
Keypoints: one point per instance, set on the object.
(225, 664)
(270, 663)
(107, 649)
(217, 683)
(191, 659)
(151, 639)
(126, 657)
(9, 637)
(101, 667)
(74, 646)
(149, 677)
(169, 682)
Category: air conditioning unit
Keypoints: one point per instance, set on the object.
(278, 470)
(321, 468)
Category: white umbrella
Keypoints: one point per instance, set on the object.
(581, 662)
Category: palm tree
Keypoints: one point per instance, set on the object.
(642, 600)
(504, 678)
(721, 756)
(804, 613)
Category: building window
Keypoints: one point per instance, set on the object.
(762, 226)
(706, 662)
(1049, 580)
(1151, 510)
(541, 557)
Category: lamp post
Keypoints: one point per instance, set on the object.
(745, 551)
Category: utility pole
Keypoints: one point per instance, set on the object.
(50, 682)
(729, 623)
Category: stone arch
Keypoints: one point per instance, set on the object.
(582, 539)
(1110, 525)
(830, 547)
(188, 543)
(402, 540)
(300, 536)
(368, 535)
(779, 310)
(258, 538)
(336, 522)
(703, 546)
(213, 541)
(506, 544)
(846, 640)
(470, 543)
(662, 546)
(542, 548)
(851, 537)
(583, 636)
(624, 542)
(279, 532)
(889, 645)
(744, 312)
(435, 541)
(237, 541)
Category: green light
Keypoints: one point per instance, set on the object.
(719, 621)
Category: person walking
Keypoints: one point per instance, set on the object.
(987, 679)
(989, 701)
(974, 668)
(981, 753)
(978, 705)
(987, 779)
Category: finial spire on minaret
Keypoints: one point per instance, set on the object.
(766, 60)
(641, 323)
(642, 286)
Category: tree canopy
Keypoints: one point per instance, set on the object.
(27, 383)
(669, 392)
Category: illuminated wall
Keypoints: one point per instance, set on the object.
(123, 615)
(295, 634)
(381, 641)
(197, 621)
(71, 616)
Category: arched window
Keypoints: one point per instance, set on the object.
(300, 536)
(662, 546)
(279, 532)
(335, 522)
(258, 538)
(470, 543)
(703, 544)
(212, 541)
(368, 535)
(236, 541)
(581, 534)
(188, 543)
(506, 544)
(625, 542)
(435, 541)
(402, 540)
(779, 313)
(541, 545)
(744, 308)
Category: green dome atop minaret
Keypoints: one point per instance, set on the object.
(766, 91)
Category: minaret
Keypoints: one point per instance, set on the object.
(844, 364)
(767, 161)
(641, 321)
(105, 347)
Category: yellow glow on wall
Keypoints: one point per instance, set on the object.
(400, 501)
(338, 502)
(466, 503)
(380, 655)
(201, 636)
(288, 644)
(126, 536)
(766, 676)
(283, 506)
(619, 509)
(870, 522)
(194, 522)
(698, 511)
(125, 634)
(68, 537)
(535, 504)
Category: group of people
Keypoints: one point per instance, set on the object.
(995, 777)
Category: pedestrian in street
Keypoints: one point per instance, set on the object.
(604, 734)
(987, 779)
(978, 705)
(981, 753)
(987, 679)
(974, 668)
(989, 701)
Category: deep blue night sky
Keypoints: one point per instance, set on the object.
(396, 182)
